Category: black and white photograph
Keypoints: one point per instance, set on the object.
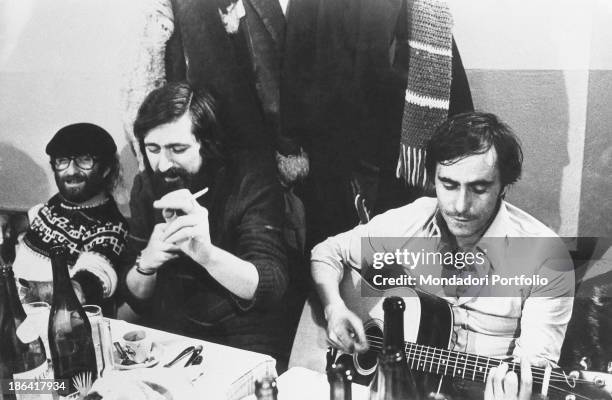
(306, 199)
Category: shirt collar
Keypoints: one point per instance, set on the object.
(94, 202)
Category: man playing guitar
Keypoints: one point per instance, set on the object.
(472, 160)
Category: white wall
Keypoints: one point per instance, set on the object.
(531, 62)
(60, 63)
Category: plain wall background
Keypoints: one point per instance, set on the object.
(542, 65)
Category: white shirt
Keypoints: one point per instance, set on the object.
(284, 4)
(528, 321)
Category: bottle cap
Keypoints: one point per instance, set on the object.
(394, 303)
(339, 371)
(390, 354)
(59, 250)
(265, 385)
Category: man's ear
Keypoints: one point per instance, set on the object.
(107, 171)
(502, 194)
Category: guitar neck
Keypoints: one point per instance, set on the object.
(458, 364)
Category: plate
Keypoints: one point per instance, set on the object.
(143, 383)
(157, 352)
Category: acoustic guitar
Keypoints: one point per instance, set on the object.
(427, 331)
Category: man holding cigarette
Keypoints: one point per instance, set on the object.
(212, 267)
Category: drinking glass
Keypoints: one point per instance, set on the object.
(38, 313)
(101, 335)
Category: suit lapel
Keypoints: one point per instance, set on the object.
(272, 17)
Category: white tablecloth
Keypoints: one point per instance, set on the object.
(304, 384)
(225, 372)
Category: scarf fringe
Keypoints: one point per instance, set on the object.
(427, 95)
(411, 166)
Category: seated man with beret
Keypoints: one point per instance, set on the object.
(83, 217)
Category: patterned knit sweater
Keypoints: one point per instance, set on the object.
(95, 236)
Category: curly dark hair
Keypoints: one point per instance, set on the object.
(472, 133)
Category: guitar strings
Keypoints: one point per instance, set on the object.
(476, 369)
(553, 387)
(467, 365)
(483, 375)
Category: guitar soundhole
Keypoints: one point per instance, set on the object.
(368, 360)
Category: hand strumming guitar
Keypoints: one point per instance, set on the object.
(345, 329)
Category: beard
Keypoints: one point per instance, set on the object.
(79, 187)
(171, 180)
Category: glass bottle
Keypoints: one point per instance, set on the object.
(30, 360)
(394, 379)
(265, 389)
(340, 379)
(70, 341)
(8, 335)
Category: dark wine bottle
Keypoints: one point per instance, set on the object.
(70, 341)
(340, 379)
(265, 389)
(7, 349)
(393, 380)
(30, 359)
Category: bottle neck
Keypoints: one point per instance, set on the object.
(339, 378)
(13, 296)
(266, 389)
(62, 286)
(8, 327)
(394, 329)
(391, 358)
(5, 304)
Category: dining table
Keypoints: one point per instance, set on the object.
(225, 373)
(299, 383)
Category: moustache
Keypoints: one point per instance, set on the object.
(162, 186)
(76, 178)
(173, 173)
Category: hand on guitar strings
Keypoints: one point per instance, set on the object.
(345, 330)
(504, 385)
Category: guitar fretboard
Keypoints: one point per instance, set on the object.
(474, 367)
(456, 364)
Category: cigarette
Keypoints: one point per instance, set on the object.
(169, 214)
(199, 194)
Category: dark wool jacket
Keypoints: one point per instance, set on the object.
(245, 216)
(320, 77)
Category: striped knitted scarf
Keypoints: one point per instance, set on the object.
(428, 88)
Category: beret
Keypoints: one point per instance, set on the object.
(81, 138)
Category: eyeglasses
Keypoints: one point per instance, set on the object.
(84, 162)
